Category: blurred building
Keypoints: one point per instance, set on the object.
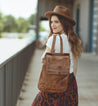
(85, 12)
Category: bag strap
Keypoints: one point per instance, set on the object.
(61, 44)
(53, 44)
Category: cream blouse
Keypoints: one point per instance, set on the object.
(66, 47)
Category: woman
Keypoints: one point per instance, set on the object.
(62, 24)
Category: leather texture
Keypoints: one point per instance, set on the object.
(57, 64)
(55, 70)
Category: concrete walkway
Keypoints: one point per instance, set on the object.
(87, 80)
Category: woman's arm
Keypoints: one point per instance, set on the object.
(75, 66)
(43, 56)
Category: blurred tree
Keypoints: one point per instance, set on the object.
(32, 19)
(42, 29)
(22, 25)
(1, 23)
(9, 23)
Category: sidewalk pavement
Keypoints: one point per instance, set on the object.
(87, 80)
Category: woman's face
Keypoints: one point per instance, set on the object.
(56, 25)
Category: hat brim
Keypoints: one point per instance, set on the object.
(49, 13)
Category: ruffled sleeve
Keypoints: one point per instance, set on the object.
(49, 42)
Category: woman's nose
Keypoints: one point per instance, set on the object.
(53, 24)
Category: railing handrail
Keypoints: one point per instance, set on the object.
(13, 67)
(24, 43)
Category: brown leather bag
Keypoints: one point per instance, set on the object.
(55, 70)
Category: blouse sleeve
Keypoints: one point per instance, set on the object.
(49, 42)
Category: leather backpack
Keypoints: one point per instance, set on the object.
(54, 75)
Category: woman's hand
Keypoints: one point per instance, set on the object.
(43, 56)
(42, 59)
(75, 66)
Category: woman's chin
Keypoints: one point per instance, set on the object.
(55, 32)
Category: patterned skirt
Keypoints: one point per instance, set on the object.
(68, 98)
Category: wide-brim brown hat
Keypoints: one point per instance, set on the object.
(61, 10)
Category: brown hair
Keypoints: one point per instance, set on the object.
(74, 41)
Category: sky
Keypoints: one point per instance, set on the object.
(18, 8)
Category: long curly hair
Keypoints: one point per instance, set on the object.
(74, 41)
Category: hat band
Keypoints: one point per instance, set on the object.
(61, 12)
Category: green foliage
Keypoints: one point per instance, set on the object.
(1, 36)
(9, 23)
(32, 19)
(1, 23)
(20, 36)
(22, 25)
(42, 29)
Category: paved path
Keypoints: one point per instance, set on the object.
(87, 80)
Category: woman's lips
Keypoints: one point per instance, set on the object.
(54, 28)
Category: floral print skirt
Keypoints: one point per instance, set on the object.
(67, 98)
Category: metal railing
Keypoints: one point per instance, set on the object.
(12, 73)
